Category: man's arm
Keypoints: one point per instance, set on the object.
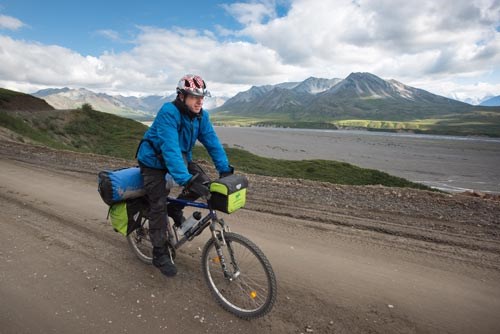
(209, 139)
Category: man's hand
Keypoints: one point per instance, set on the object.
(199, 189)
(229, 172)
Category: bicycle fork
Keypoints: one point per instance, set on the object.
(220, 241)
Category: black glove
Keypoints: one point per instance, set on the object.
(230, 172)
(200, 189)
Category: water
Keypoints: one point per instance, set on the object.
(450, 163)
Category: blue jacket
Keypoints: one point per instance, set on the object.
(173, 134)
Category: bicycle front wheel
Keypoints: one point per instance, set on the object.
(248, 288)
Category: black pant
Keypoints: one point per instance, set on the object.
(156, 193)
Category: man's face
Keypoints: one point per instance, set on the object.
(194, 103)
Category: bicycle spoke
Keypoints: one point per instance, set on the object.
(251, 290)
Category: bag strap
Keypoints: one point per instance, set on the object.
(157, 152)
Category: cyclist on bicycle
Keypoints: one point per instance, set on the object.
(167, 147)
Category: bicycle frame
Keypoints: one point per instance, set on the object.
(211, 220)
(210, 217)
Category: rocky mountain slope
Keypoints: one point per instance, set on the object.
(132, 107)
(360, 95)
(139, 108)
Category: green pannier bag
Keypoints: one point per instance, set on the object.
(126, 216)
(229, 193)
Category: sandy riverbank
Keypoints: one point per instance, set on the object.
(449, 163)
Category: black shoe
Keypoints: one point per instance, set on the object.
(162, 261)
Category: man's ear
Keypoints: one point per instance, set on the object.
(181, 97)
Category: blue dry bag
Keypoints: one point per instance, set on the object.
(118, 185)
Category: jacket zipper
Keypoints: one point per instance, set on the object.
(191, 145)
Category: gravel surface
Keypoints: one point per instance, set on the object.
(348, 259)
(468, 220)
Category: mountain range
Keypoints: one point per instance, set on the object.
(139, 108)
(358, 96)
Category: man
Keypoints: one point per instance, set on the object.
(167, 147)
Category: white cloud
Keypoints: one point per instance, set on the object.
(9, 22)
(460, 34)
(429, 44)
(253, 12)
(159, 58)
(110, 34)
(406, 41)
(38, 63)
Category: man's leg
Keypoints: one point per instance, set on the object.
(154, 184)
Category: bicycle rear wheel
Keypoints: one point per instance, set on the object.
(140, 243)
(251, 290)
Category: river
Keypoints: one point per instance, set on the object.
(449, 163)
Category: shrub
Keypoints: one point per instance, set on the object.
(86, 107)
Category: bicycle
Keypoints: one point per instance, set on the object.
(236, 271)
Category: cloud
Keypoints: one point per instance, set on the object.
(45, 64)
(109, 34)
(10, 23)
(472, 93)
(446, 34)
(430, 44)
(176, 52)
(251, 13)
(153, 66)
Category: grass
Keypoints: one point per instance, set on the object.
(5, 94)
(24, 129)
(87, 131)
(105, 134)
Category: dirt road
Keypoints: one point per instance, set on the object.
(339, 270)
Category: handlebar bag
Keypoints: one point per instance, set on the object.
(229, 193)
(118, 185)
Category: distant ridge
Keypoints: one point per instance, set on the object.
(16, 101)
(491, 102)
(50, 91)
(66, 98)
(138, 108)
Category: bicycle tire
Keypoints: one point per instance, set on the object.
(141, 245)
(251, 294)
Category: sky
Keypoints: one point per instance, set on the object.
(447, 47)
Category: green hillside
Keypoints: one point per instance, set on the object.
(12, 100)
(82, 130)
